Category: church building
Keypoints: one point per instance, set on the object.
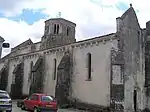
(105, 72)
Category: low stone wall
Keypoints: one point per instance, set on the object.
(146, 110)
(89, 107)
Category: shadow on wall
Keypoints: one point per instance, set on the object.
(146, 110)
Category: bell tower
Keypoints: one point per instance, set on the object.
(58, 32)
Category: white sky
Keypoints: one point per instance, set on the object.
(93, 17)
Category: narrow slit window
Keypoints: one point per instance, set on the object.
(135, 100)
(89, 66)
(55, 64)
(55, 29)
(68, 30)
(138, 38)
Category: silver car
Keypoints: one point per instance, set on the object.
(5, 101)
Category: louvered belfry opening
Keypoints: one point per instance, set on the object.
(63, 80)
(37, 77)
(17, 85)
(4, 77)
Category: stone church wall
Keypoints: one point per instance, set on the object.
(12, 64)
(50, 73)
(91, 69)
(27, 70)
(97, 90)
(131, 38)
(1, 65)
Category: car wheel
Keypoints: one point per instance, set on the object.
(8, 111)
(36, 110)
(18, 104)
(23, 107)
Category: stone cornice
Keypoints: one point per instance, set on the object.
(54, 50)
(24, 56)
(94, 42)
(81, 44)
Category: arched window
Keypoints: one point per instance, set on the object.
(89, 66)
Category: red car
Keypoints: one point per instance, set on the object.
(40, 102)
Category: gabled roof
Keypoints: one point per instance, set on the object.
(131, 9)
(27, 42)
(132, 12)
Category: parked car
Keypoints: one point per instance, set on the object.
(20, 103)
(40, 102)
(5, 101)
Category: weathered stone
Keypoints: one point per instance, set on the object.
(89, 107)
(16, 88)
(63, 80)
(119, 76)
(4, 77)
(36, 85)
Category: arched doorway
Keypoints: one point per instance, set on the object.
(63, 80)
(17, 85)
(4, 78)
(37, 77)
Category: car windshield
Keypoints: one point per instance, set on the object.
(4, 96)
(47, 98)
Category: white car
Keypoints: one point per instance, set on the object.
(5, 101)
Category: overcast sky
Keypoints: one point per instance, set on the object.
(24, 19)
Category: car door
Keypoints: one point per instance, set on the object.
(34, 101)
(28, 101)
